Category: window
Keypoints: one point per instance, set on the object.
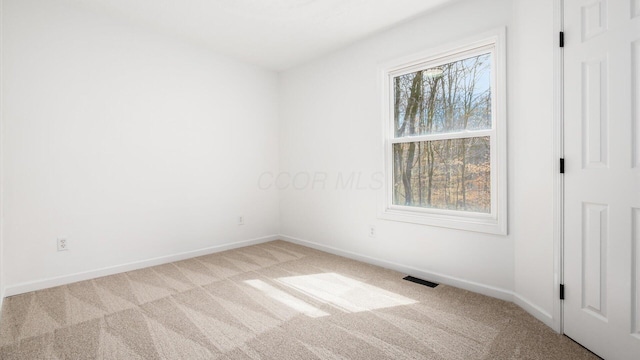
(445, 146)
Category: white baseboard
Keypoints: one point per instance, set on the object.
(495, 292)
(92, 274)
(483, 289)
(535, 311)
(1, 301)
(409, 270)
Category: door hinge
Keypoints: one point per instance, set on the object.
(561, 291)
(561, 39)
(561, 165)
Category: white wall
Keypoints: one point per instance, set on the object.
(331, 125)
(131, 143)
(137, 145)
(1, 163)
(531, 64)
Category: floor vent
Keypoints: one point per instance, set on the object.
(420, 281)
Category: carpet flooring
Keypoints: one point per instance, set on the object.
(270, 301)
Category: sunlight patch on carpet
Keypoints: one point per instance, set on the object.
(347, 294)
(286, 299)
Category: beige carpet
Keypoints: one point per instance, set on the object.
(270, 301)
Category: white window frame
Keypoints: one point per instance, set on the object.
(495, 222)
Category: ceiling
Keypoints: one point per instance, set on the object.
(274, 34)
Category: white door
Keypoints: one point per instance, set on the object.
(602, 176)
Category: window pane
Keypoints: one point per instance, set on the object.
(445, 174)
(447, 98)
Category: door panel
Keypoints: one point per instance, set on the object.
(602, 176)
(594, 259)
(635, 89)
(635, 8)
(636, 273)
(594, 113)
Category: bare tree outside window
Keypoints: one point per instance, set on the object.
(451, 102)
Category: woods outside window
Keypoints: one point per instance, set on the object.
(445, 151)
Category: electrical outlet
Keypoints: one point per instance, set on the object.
(63, 244)
(372, 231)
(240, 220)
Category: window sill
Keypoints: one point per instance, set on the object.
(482, 223)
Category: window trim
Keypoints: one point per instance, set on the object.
(496, 221)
